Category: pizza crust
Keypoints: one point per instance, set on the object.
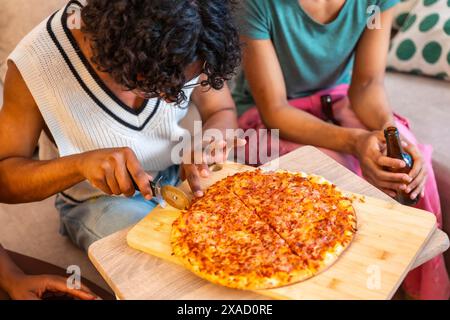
(219, 230)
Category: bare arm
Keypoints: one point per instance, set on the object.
(23, 179)
(264, 74)
(370, 103)
(367, 93)
(218, 111)
(216, 107)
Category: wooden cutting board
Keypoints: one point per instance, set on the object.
(389, 238)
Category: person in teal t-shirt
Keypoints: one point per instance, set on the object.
(315, 71)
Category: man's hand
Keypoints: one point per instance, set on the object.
(197, 166)
(113, 171)
(27, 287)
(371, 151)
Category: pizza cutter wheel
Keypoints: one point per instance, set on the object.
(175, 197)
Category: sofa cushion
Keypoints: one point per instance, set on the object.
(423, 44)
(19, 17)
(402, 11)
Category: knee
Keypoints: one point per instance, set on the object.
(119, 215)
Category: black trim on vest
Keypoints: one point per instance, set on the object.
(85, 87)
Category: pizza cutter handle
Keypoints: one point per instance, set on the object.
(153, 186)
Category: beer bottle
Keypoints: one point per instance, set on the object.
(395, 150)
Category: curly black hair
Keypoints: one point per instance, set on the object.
(146, 45)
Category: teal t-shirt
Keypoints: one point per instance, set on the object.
(313, 56)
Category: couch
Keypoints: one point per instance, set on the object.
(32, 229)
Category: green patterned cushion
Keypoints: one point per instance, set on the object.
(422, 45)
(402, 11)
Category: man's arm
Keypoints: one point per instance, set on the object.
(216, 107)
(21, 124)
(264, 74)
(23, 179)
(218, 111)
(367, 93)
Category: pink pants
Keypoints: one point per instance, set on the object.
(429, 281)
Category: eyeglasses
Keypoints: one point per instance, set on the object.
(192, 86)
(186, 87)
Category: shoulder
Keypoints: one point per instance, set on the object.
(38, 34)
(36, 54)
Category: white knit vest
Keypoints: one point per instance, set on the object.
(81, 113)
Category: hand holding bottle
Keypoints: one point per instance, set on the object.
(401, 149)
(418, 173)
(371, 152)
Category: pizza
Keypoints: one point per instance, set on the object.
(260, 230)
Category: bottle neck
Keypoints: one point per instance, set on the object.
(394, 146)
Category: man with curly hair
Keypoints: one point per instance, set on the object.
(109, 95)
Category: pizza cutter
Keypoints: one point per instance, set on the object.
(168, 194)
(171, 195)
(174, 196)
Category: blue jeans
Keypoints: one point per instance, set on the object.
(100, 217)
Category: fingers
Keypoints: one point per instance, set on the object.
(399, 178)
(418, 173)
(420, 190)
(378, 174)
(392, 186)
(384, 161)
(112, 182)
(101, 184)
(193, 177)
(418, 161)
(204, 170)
(215, 152)
(140, 177)
(416, 188)
(124, 181)
(218, 151)
(389, 183)
(59, 284)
